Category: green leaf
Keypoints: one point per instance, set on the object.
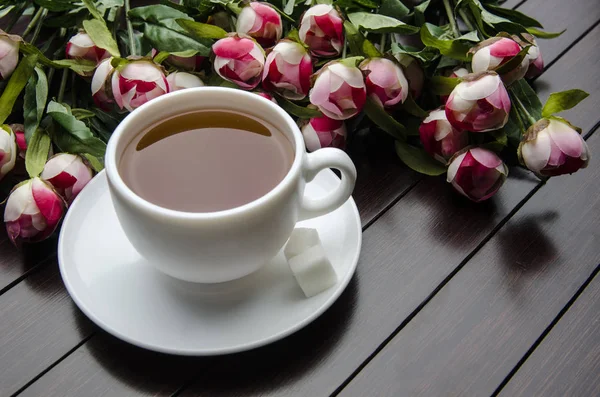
(393, 8)
(160, 28)
(351, 62)
(79, 66)
(383, 120)
(66, 120)
(15, 85)
(471, 36)
(418, 159)
(528, 97)
(57, 5)
(97, 163)
(452, 48)
(559, 101)
(447, 62)
(34, 102)
(500, 136)
(366, 3)
(81, 114)
(515, 16)
(289, 7)
(544, 35)
(176, 6)
(441, 85)
(411, 107)
(101, 36)
(359, 45)
(380, 23)
(419, 13)
(160, 15)
(164, 39)
(36, 155)
(514, 128)
(72, 18)
(425, 55)
(89, 4)
(73, 136)
(202, 30)
(298, 111)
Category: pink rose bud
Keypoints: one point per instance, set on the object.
(9, 53)
(81, 46)
(477, 173)
(239, 60)
(339, 91)
(19, 131)
(8, 150)
(536, 63)
(458, 72)
(494, 52)
(68, 174)
(439, 138)
(101, 85)
(182, 80)
(138, 82)
(413, 72)
(321, 28)
(552, 147)
(32, 212)
(287, 70)
(260, 21)
(320, 132)
(266, 95)
(385, 81)
(479, 103)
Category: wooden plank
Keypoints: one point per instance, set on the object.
(397, 256)
(574, 16)
(469, 337)
(84, 372)
(39, 324)
(382, 177)
(567, 362)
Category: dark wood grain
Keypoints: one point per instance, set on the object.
(39, 324)
(469, 337)
(574, 16)
(406, 254)
(382, 177)
(567, 362)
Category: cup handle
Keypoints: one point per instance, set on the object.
(318, 161)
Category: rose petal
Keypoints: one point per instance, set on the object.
(536, 153)
(567, 139)
(478, 89)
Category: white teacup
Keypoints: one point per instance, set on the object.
(225, 245)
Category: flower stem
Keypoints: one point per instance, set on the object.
(132, 46)
(382, 42)
(344, 48)
(465, 17)
(33, 21)
(63, 85)
(38, 27)
(517, 101)
(451, 18)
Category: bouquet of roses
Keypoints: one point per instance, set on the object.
(446, 79)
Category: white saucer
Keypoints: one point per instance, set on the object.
(122, 293)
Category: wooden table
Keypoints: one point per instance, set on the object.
(450, 298)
